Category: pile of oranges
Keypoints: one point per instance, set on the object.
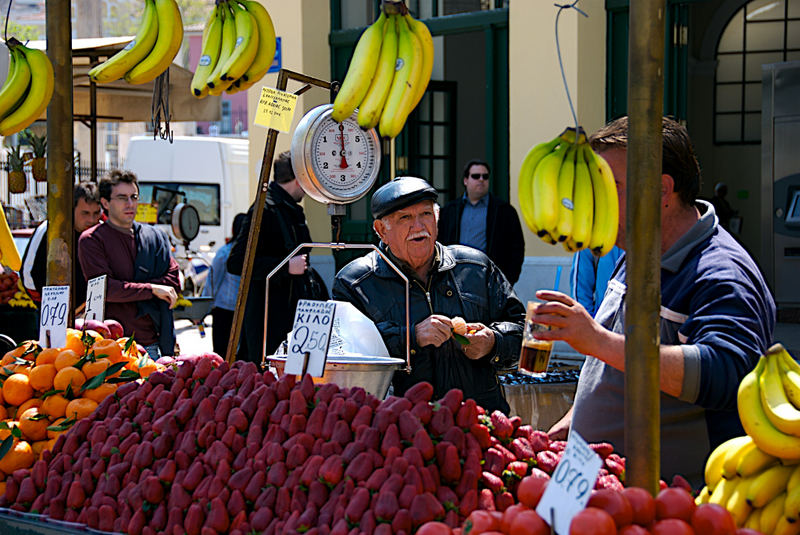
(43, 391)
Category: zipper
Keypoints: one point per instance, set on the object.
(427, 292)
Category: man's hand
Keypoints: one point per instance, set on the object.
(481, 341)
(433, 330)
(167, 293)
(560, 429)
(298, 264)
(568, 321)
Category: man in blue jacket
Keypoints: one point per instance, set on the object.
(717, 317)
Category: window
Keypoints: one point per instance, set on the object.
(762, 31)
(204, 197)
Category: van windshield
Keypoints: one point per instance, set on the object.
(204, 197)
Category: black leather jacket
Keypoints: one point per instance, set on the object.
(463, 282)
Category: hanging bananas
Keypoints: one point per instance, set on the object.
(152, 50)
(388, 74)
(237, 49)
(567, 194)
(27, 89)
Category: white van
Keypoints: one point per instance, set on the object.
(210, 173)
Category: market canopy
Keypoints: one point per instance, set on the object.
(123, 102)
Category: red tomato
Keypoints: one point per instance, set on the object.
(528, 523)
(675, 503)
(633, 529)
(530, 490)
(434, 528)
(510, 514)
(713, 519)
(643, 504)
(592, 521)
(672, 526)
(614, 503)
(480, 521)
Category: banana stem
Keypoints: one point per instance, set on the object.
(397, 7)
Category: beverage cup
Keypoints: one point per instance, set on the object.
(534, 356)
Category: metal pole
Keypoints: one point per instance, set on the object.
(643, 243)
(93, 130)
(60, 235)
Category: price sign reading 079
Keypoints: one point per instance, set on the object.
(310, 338)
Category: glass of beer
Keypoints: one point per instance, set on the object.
(535, 354)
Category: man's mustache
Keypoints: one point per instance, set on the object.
(421, 234)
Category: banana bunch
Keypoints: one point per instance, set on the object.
(761, 491)
(152, 50)
(388, 74)
(237, 49)
(21, 298)
(9, 255)
(27, 89)
(567, 194)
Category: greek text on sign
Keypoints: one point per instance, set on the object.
(275, 109)
(53, 321)
(570, 485)
(311, 335)
(96, 298)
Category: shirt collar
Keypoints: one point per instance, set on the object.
(700, 231)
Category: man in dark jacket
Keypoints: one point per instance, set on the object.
(283, 227)
(445, 282)
(484, 222)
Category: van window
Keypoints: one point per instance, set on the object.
(204, 197)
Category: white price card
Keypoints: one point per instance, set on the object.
(96, 298)
(570, 485)
(54, 313)
(310, 337)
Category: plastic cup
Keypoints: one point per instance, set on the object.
(534, 356)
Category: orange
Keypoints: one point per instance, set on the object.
(55, 434)
(66, 358)
(3, 413)
(5, 433)
(17, 389)
(41, 377)
(33, 429)
(92, 369)
(39, 446)
(100, 393)
(2, 399)
(19, 456)
(109, 349)
(33, 402)
(69, 376)
(20, 368)
(147, 366)
(17, 352)
(80, 408)
(75, 342)
(133, 351)
(55, 406)
(47, 356)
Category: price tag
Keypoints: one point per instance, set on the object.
(275, 109)
(570, 485)
(53, 321)
(96, 298)
(146, 213)
(311, 336)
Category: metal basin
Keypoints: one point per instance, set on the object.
(373, 374)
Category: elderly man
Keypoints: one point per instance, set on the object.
(445, 282)
(717, 317)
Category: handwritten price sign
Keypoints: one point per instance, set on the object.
(570, 485)
(311, 336)
(96, 298)
(275, 109)
(53, 321)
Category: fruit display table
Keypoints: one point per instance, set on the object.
(29, 524)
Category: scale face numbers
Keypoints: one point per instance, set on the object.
(334, 162)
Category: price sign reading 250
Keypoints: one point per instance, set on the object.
(304, 340)
(311, 335)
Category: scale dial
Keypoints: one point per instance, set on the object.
(185, 222)
(334, 162)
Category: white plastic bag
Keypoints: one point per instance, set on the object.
(354, 334)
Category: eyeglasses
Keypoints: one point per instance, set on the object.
(478, 176)
(126, 198)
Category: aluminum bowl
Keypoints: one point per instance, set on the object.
(373, 374)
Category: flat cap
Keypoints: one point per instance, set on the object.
(401, 192)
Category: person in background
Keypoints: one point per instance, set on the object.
(588, 277)
(482, 221)
(86, 213)
(142, 285)
(223, 288)
(722, 207)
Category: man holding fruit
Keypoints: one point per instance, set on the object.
(445, 282)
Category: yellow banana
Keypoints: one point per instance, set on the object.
(583, 202)
(733, 455)
(716, 459)
(702, 496)
(566, 186)
(777, 407)
(168, 42)
(790, 376)
(246, 47)
(791, 507)
(40, 90)
(359, 73)
(770, 513)
(369, 111)
(723, 491)
(753, 519)
(752, 460)
(606, 205)
(17, 81)
(9, 255)
(545, 191)
(737, 503)
(266, 44)
(794, 479)
(215, 83)
(784, 527)
(755, 422)
(426, 40)
(570, 246)
(209, 54)
(767, 485)
(404, 84)
(525, 183)
(117, 65)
